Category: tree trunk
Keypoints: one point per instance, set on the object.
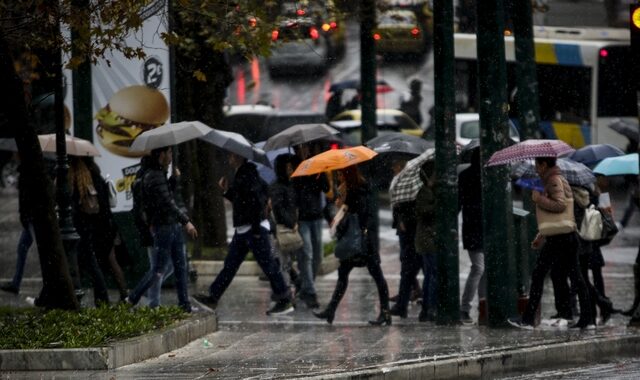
(57, 291)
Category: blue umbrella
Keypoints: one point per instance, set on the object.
(622, 165)
(530, 183)
(575, 173)
(592, 154)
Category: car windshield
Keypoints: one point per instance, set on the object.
(397, 18)
(471, 130)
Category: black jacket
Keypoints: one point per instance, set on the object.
(309, 195)
(159, 204)
(470, 201)
(283, 204)
(248, 194)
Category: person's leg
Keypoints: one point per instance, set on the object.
(429, 291)
(261, 248)
(476, 273)
(238, 250)
(88, 262)
(118, 275)
(407, 274)
(570, 252)
(154, 292)
(341, 286)
(383, 290)
(628, 212)
(544, 263)
(25, 242)
(161, 250)
(316, 243)
(179, 261)
(561, 291)
(305, 260)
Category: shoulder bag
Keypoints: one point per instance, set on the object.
(556, 223)
(288, 239)
(350, 238)
(591, 226)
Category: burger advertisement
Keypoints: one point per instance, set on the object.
(130, 96)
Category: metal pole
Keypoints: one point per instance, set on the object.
(446, 175)
(368, 69)
(496, 187)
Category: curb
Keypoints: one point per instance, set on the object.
(526, 359)
(116, 355)
(251, 268)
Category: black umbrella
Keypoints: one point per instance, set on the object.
(397, 142)
(627, 129)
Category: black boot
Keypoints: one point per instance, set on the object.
(384, 318)
(328, 314)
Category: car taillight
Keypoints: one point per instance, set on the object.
(313, 33)
(274, 35)
(376, 36)
(253, 22)
(333, 25)
(300, 12)
(326, 27)
(334, 146)
(415, 32)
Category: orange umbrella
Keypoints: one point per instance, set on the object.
(333, 160)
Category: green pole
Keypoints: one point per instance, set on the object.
(528, 108)
(368, 69)
(446, 175)
(496, 188)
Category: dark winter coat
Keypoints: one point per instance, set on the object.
(470, 202)
(248, 194)
(283, 204)
(360, 202)
(309, 191)
(425, 218)
(159, 204)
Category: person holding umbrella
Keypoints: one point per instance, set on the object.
(248, 194)
(557, 240)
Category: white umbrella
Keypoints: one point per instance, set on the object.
(169, 135)
(238, 144)
(75, 146)
(299, 134)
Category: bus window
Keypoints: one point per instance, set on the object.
(564, 93)
(616, 95)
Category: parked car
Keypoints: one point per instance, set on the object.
(387, 119)
(259, 122)
(468, 128)
(399, 32)
(300, 47)
(323, 14)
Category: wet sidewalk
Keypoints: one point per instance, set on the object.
(250, 344)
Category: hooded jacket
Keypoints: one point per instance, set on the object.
(248, 194)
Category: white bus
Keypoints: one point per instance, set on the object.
(583, 82)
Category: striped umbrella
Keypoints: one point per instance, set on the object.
(406, 185)
(575, 172)
(530, 149)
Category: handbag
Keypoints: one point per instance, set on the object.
(556, 223)
(609, 229)
(350, 238)
(591, 226)
(288, 239)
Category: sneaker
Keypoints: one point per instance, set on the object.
(206, 300)
(465, 318)
(8, 287)
(517, 322)
(281, 307)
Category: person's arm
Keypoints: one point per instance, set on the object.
(158, 185)
(555, 200)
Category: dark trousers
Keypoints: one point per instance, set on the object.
(375, 271)
(559, 251)
(260, 245)
(89, 264)
(410, 264)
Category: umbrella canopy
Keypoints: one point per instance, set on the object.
(168, 135)
(622, 165)
(299, 134)
(576, 173)
(406, 185)
(529, 149)
(592, 154)
(381, 86)
(398, 142)
(236, 143)
(531, 183)
(334, 159)
(627, 129)
(75, 146)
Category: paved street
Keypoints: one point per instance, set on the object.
(251, 345)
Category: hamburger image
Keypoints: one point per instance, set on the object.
(130, 111)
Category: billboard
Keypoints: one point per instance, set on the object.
(129, 97)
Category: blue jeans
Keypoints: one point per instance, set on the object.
(310, 256)
(153, 294)
(25, 242)
(168, 244)
(260, 245)
(430, 282)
